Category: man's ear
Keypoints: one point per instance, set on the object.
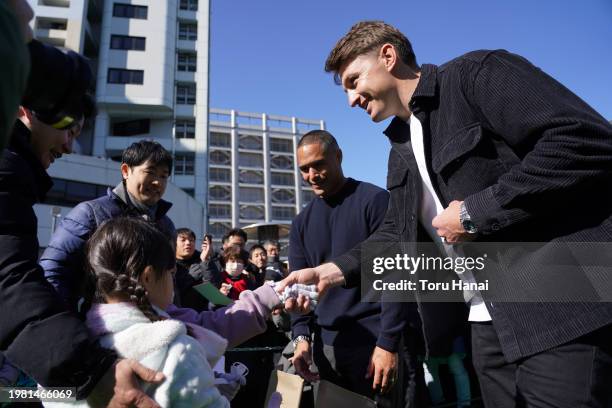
(388, 56)
(125, 170)
(339, 155)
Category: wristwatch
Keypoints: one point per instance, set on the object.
(466, 220)
(299, 339)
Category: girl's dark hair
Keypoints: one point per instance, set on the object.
(118, 253)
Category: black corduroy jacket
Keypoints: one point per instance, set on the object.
(531, 160)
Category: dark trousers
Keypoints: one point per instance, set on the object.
(575, 374)
(347, 367)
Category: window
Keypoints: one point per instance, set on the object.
(129, 11)
(220, 193)
(281, 145)
(184, 163)
(187, 61)
(283, 213)
(125, 42)
(252, 212)
(220, 157)
(251, 177)
(220, 210)
(47, 23)
(68, 193)
(191, 5)
(188, 31)
(125, 76)
(250, 142)
(217, 174)
(281, 162)
(282, 179)
(220, 139)
(54, 3)
(184, 129)
(132, 127)
(251, 194)
(250, 159)
(186, 94)
(282, 196)
(190, 191)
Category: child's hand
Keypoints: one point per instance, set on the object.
(301, 298)
(225, 288)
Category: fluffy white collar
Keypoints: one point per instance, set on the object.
(124, 322)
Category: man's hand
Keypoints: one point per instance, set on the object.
(206, 249)
(448, 224)
(121, 383)
(302, 359)
(325, 276)
(383, 367)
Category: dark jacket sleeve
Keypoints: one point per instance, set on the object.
(568, 145)
(63, 259)
(393, 315)
(300, 323)
(207, 271)
(37, 334)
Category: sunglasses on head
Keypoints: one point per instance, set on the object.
(60, 121)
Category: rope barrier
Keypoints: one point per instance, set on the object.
(243, 349)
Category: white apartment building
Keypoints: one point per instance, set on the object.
(151, 61)
(253, 172)
(153, 83)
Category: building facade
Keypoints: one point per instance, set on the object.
(151, 62)
(253, 172)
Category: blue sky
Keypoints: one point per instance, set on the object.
(268, 56)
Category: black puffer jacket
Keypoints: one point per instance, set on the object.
(37, 334)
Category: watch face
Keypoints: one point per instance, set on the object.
(469, 226)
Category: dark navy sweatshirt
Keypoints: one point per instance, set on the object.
(325, 229)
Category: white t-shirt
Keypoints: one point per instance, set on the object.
(430, 206)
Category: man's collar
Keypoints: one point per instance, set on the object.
(424, 95)
(428, 83)
(120, 193)
(398, 130)
(21, 145)
(347, 187)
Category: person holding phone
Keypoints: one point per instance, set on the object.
(187, 257)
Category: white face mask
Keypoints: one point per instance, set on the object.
(234, 268)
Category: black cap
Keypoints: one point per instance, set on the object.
(59, 84)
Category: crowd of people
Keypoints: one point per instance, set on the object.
(484, 148)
